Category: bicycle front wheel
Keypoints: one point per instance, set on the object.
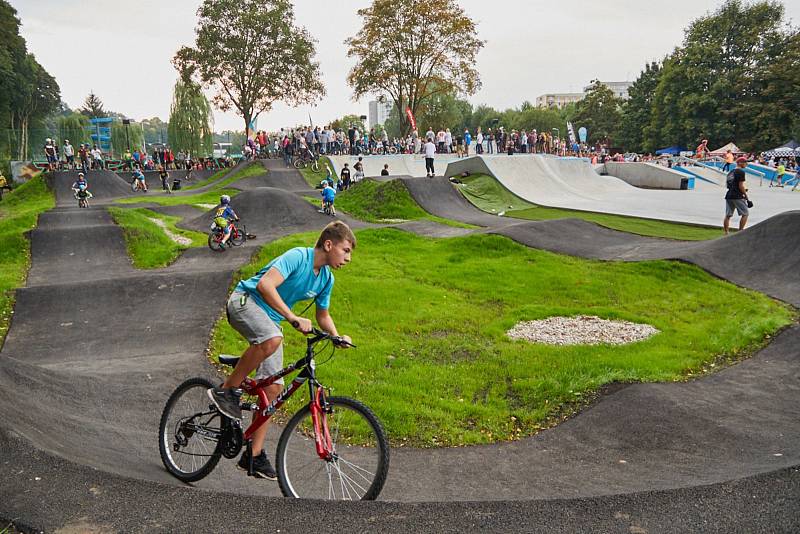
(215, 241)
(190, 432)
(358, 463)
(238, 236)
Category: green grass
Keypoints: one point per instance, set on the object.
(429, 317)
(314, 178)
(208, 197)
(216, 176)
(19, 212)
(380, 202)
(486, 193)
(148, 245)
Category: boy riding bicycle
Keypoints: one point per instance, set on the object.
(223, 217)
(258, 305)
(328, 198)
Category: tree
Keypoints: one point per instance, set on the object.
(444, 110)
(73, 127)
(599, 113)
(413, 50)
(93, 106)
(155, 130)
(713, 85)
(190, 119)
(124, 136)
(252, 55)
(636, 111)
(345, 122)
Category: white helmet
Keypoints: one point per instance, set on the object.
(224, 199)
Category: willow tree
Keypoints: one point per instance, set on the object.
(252, 55)
(413, 50)
(74, 127)
(190, 120)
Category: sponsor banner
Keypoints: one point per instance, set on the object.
(411, 118)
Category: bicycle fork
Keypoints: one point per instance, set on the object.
(319, 417)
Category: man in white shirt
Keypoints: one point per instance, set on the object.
(97, 157)
(430, 152)
(448, 141)
(69, 154)
(440, 140)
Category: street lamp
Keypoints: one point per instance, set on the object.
(127, 122)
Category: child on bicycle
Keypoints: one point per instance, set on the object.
(138, 175)
(328, 198)
(259, 304)
(222, 219)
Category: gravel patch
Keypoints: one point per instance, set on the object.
(207, 206)
(179, 239)
(581, 330)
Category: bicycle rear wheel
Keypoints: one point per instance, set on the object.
(190, 432)
(215, 241)
(359, 461)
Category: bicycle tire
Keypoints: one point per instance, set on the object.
(133, 186)
(167, 432)
(296, 452)
(315, 166)
(239, 236)
(299, 163)
(213, 243)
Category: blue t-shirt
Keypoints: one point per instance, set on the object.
(225, 210)
(299, 281)
(329, 194)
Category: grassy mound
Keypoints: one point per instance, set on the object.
(148, 245)
(487, 194)
(429, 317)
(19, 212)
(379, 202)
(208, 197)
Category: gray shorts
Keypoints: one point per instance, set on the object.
(255, 325)
(738, 204)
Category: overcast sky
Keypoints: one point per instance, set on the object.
(122, 50)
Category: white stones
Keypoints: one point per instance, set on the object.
(179, 239)
(581, 330)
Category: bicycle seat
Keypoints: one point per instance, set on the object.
(228, 359)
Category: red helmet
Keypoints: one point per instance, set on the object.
(741, 159)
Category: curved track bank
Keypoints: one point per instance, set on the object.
(96, 346)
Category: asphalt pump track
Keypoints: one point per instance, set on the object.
(96, 346)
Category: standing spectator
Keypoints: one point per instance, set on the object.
(429, 134)
(344, 181)
(490, 142)
(430, 152)
(417, 143)
(779, 173)
(448, 141)
(3, 185)
(97, 158)
(736, 196)
(459, 142)
(467, 141)
(359, 168)
(440, 140)
(523, 142)
(479, 141)
(728, 161)
(50, 154)
(69, 154)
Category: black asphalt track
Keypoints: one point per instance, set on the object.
(93, 353)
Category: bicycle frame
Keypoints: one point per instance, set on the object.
(265, 409)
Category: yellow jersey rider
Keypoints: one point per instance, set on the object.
(223, 217)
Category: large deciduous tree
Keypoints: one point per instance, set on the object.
(636, 110)
(412, 50)
(190, 120)
(714, 85)
(599, 112)
(253, 55)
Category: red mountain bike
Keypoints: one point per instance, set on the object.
(332, 448)
(238, 236)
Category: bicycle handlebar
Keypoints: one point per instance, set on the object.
(319, 335)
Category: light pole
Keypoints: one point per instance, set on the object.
(127, 122)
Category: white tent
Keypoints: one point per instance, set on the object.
(723, 150)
